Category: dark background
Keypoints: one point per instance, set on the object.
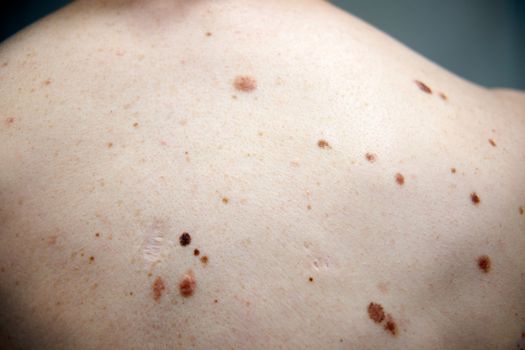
(480, 40)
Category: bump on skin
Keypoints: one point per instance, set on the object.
(400, 179)
(484, 263)
(475, 198)
(185, 239)
(245, 83)
(423, 87)
(187, 285)
(453, 170)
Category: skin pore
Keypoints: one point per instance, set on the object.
(252, 175)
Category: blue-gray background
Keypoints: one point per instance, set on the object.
(480, 40)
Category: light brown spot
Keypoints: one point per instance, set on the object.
(47, 82)
(9, 121)
(323, 144)
(225, 200)
(135, 125)
(484, 263)
(109, 144)
(492, 142)
(371, 157)
(475, 198)
(245, 83)
(376, 312)
(158, 288)
(208, 33)
(204, 260)
(423, 87)
(453, 170)
(443, 96)
(97, 234)
(521, 210)
(400, 179)
(187, 285)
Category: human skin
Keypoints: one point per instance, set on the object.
(338, 190)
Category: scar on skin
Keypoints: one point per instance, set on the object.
(423, 87)
(225, 200)
(158, 288)
(371, 157)
(376, 312)
(187, 285)
(484, 263)
(204, 260)
(492, 142)
(323, 144)
(475, 198)
(185, 239)
(196, 252)
(245, 83)
(400, 179)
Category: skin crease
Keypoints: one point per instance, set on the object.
(122, 118)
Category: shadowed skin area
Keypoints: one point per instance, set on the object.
(252, 175)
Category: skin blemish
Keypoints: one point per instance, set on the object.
(484, 263)
(400, 179)
(453, 170)
(521, 210)
(376, 312)
(311, 279)
(185, 239)
(443, 96)
(91, 259)
(492, 142)
(135, 125)
(97, 234)
(225, 200)
(110, 145)
(323, 144)
(47, 82)
(371, 157)
(245, 83)
(52, 240)
(9, 121)
(390, 326)
(423, 87)
(158, 288)
(204, 260)
(187, 285)
(196, 252)
(208, 33)
(475, 198)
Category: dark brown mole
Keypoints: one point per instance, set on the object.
(158, 288)
(453, 170)
(475, 198)
(492, 142)
(245, 83)
(185, 239)
(323, 144)
(423, 87)
(97, 234)
(390, 325)
(187, 285)
(311, 279)
(376, 312)
(400, 179)
(204, 260)
(371, 157)
(484, 263)
(91, 259)
(196, 252)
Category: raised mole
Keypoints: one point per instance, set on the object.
(185, 239)
(484, 263)
(187, 285)
(400, 179)
(475, 198)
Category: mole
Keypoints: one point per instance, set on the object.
(443, 96)
(196, 252)
(371, 157)
(475, 198)
(323, 144)
(390, 325)
(423, 87)
(376, 312)
(158, 288)
(204, 260)
(521, 210)
(484, 263)
(185, 239)
(245, 83)
(225, 200)
(208, 33)
(400, 179)
(187, 285)
(9, 121)
(97, 234)
(453, 170)
(135, 125)
(311, 279)
(91, 259)
(110, 144)
(492, 142)
(47, 82)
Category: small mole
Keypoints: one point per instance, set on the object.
(187, 285)
(453, 170)
(309, 207)
(158, 288)
(484, 263)
(311, 279)
(196, 252)
(97, 234)
(390, 325)
(9, 121)
(110, 144)
(5, 64)
(131, 293)
(443, 96)
(91, 259)
(492, 142)
(204, 260)
(135, 125)
(208, 33)
(376, 312)
(400, 179)
(215, 301)
(225, 200)
(521, 211)
(423, 87)
(245, 83)
(371, 157)
(475, 198)
(185, 239)
(323, 144)
(47, 82)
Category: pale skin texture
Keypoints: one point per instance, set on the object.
(122, 127)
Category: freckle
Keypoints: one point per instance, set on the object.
(215, 301)
(453, 170)
(521, 210)
(323, 144)
(135, 125)
(309, 207)
(110, 144)
(208, 33)
(492, 142)
(204, 260)
(443, 96)
(370, 157)
(245, 83)
(311, 279)
(91, 259)
(158, 288)
(185, 239)
(187, 285)
(196, 252)
(97, 234)
(9, 121)
(423, 87)
(225, 200)
(47, 82)
(400, 179)
(484, 263)
(376, 312)
(390, 325)
(475, 198)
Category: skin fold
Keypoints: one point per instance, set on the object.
(246, 174)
